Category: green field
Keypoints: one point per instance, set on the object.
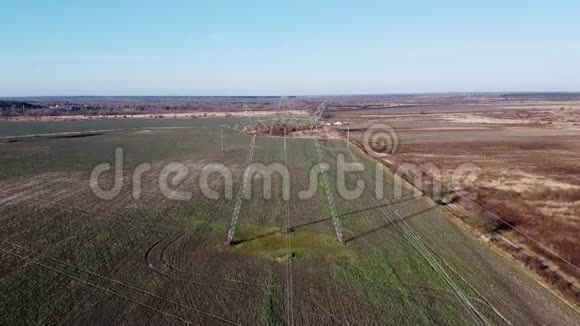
(19, 128)
(68, 257)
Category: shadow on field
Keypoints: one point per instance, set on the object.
(387, 225)
(260, 236)
(347, 214)
(404, 200)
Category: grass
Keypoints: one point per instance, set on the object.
(271, 243)
(17, 128)
(42, 155)
(270, 313)
(394, 281)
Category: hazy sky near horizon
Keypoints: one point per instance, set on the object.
(287, 47)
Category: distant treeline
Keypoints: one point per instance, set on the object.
(96, 106)
(556, 96)
(14, 104)
(132, 105)
(16, 108)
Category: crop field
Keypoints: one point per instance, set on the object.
(70, 257)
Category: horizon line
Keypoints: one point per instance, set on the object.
(312, 95)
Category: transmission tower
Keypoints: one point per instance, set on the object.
(317, 115)
(248, 111)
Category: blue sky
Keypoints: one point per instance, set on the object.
(287, 47)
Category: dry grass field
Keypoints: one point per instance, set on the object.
(529, 156)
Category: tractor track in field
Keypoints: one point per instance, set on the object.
(36, 261)
(171, 266)
(164, 265)
(151, 264)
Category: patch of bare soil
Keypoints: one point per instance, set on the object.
(322, 133)
(296, 130)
